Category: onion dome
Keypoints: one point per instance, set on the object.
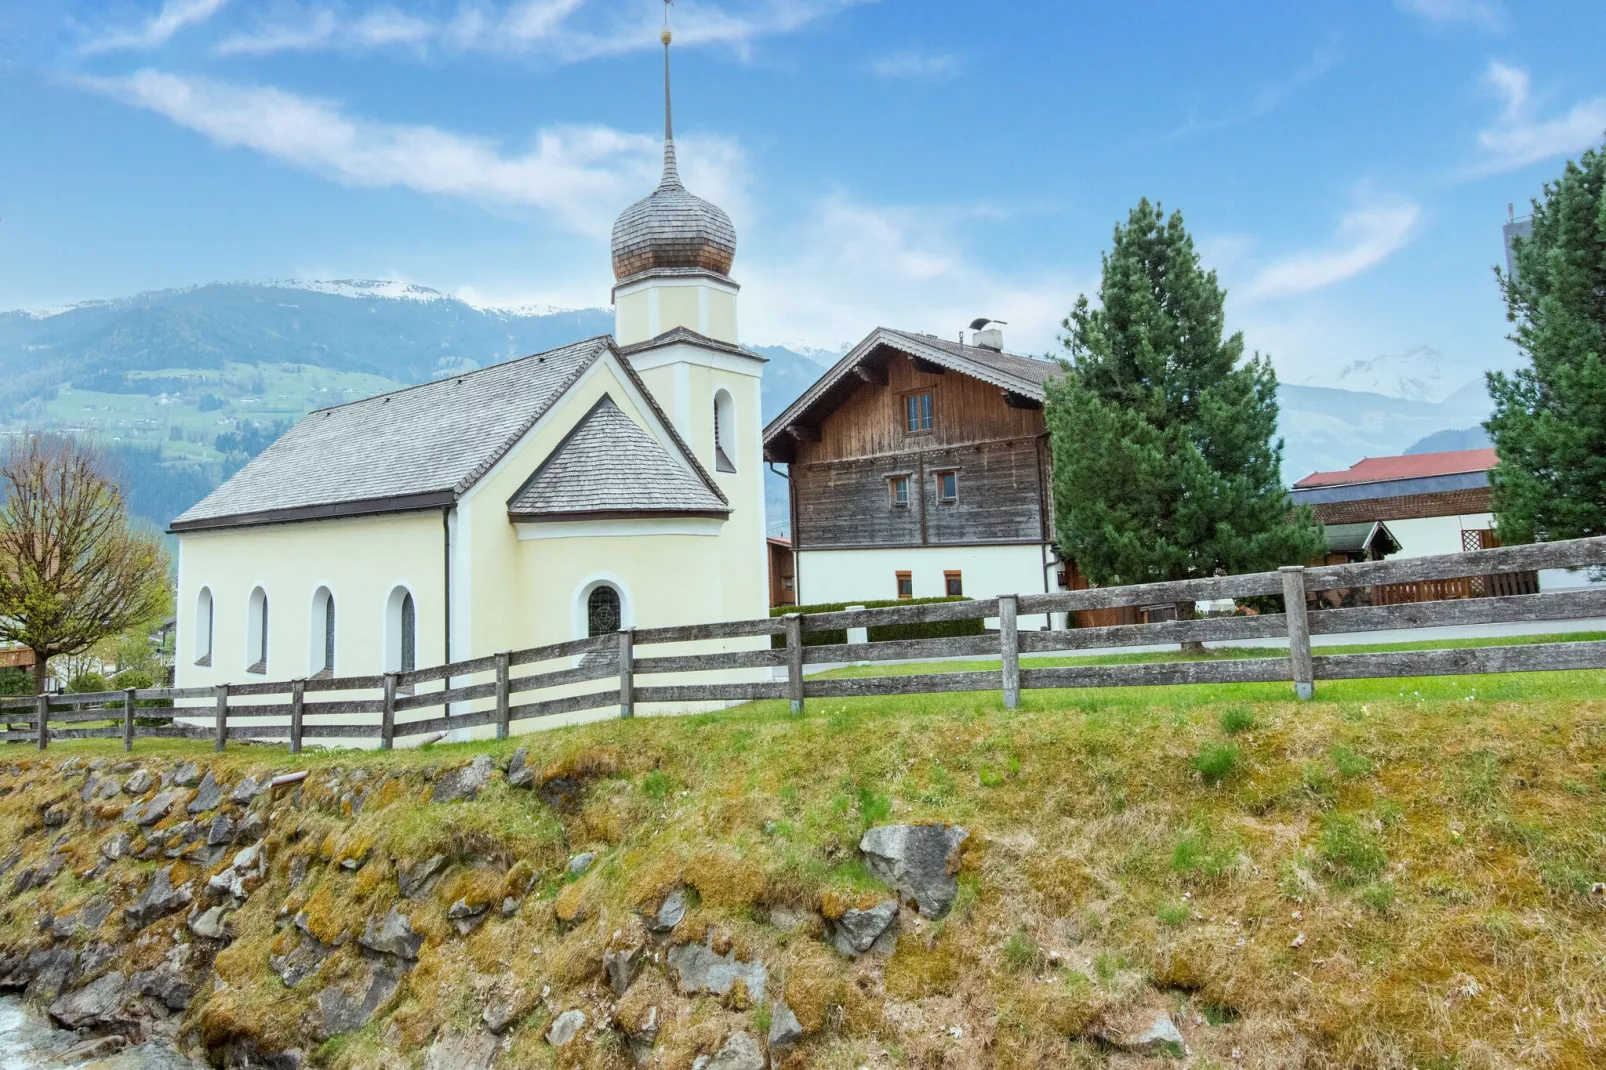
(671, 228)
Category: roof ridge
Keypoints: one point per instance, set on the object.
(542, 354)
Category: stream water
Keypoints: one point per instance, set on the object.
(29, 1042)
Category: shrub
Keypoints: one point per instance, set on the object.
(1215, 762)
(15, 681)
(86, 683)
(1236, 719)
(884, 633)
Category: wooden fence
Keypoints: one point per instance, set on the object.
(486, 691)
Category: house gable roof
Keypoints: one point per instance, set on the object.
(420, 447)
(609, 466)
(1404, 466)
(1023, 377)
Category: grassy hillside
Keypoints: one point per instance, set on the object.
(1400, 874)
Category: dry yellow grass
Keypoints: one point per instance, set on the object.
(1378, 883)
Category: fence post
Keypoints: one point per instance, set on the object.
(128, 719)
(794, 661)
(627, 672)
(298, 703)
(1298, 630)
(502, 707)
(1009, 648)
(42, 712)
(387, 715)
(222, 693)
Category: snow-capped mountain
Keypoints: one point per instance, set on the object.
(1420, 373)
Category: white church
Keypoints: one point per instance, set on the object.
(615, 482)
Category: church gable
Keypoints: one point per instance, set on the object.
(610, 467)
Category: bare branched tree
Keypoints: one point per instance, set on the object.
(72, 572)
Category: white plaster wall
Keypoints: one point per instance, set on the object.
(869, 575)
(1435, 534)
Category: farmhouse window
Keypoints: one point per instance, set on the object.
(917, 412)
(900, 492)
(602, 611)
(947, 487)
(906, 585)
(953, 583)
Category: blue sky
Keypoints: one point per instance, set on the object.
(1345, 166)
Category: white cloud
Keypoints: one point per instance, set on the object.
(1486, 14)
(157, 30)
(1518, 137)
(1366, 237)
(563, 31)
(582, 176)
(917, 66)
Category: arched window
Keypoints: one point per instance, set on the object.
(401, 632)
(322, 660)
(724, 432)
(203, 627)
(602, 611)
(256, 632)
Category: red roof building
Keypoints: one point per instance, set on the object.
(1407, 466)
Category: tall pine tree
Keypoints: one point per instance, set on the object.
(1549, 422)
(1166, 460)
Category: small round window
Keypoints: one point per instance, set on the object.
(602, 611)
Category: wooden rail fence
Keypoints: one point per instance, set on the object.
(486, 691)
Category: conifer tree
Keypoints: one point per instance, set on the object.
(1166, 460)
(1549, 421)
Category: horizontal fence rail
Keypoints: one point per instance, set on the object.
(1478, 587)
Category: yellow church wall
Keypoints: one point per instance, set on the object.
(678, 307)
(721, 315)
(631, 320)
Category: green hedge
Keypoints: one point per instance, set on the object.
(882, 633)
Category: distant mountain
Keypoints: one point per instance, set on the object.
(1457, 438)
(1420, 373)
(183, 386)
(1326, 429)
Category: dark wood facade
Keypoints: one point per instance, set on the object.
(844, 469)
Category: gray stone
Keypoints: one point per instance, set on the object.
(208, 924)
(581, 862)
(57, 816)
(138, 782)
(115, 846)
(785, 1029)
(502, 1012)
(187, 775)
(158, 900)
(107, 787)
(454, 1050)
(221, 831)
(246, 790)
(642, 1036)
(739, 1052)
(697, 968)
(857, 931)
(465, 917)
(565, 1027)
(917, 860)
(92, 1004)
(622, 966)
(251, 829)
(39, 876)
(167, 984)
(414, 880)
(89, 916)
(670, 912)
(465, 781)
(153, 811)
(520, 774)
(342, 1008)
(94, 1049)
(207, 796)
(301, 961)
(1161, 1035)
(392, 935)
(787, 919)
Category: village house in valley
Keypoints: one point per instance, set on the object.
(920, 467)
(612, 483)
(1432, 503)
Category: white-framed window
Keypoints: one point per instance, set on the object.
(256, 631)
(401, 631)
(724, 431)
(204, 620)
(321, 660)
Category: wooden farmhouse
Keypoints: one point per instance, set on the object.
(920, 467)
(613, 483)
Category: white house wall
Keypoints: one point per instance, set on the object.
(855, 576)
